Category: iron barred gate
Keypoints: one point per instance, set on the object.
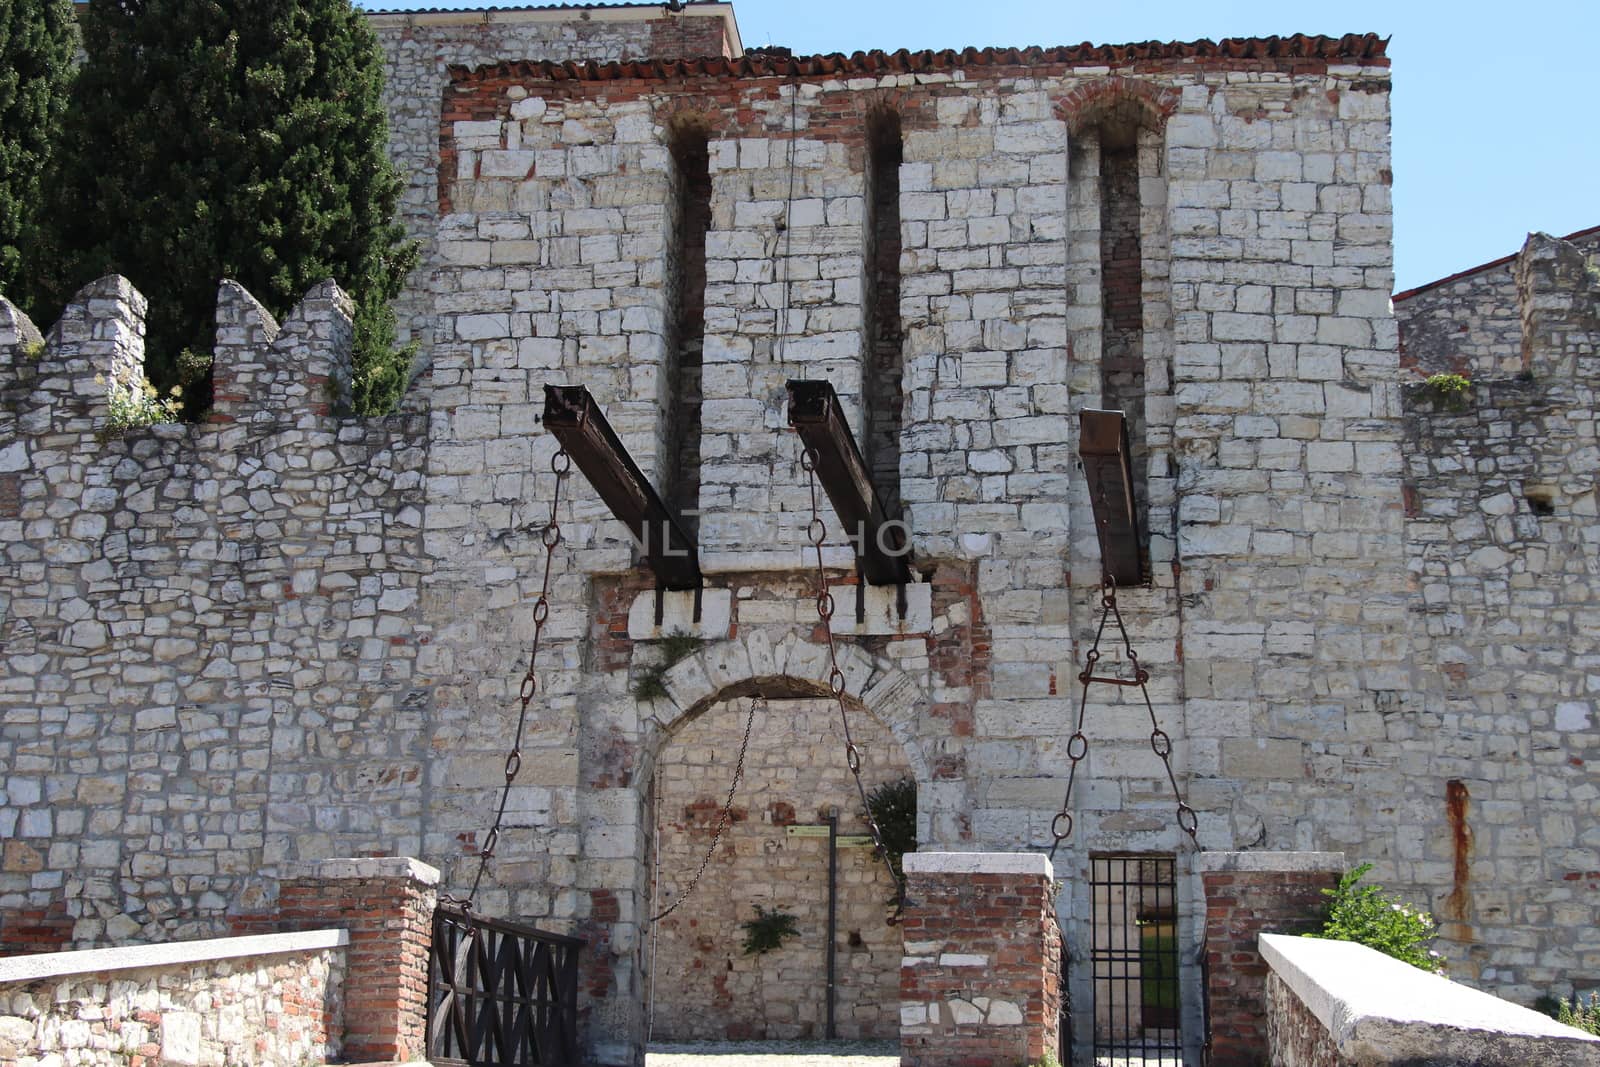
(500, 993)
(1134, 961)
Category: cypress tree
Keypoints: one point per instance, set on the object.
(37, 42)
(234, 138)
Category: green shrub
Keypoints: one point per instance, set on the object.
(1451, 389)
(128, 409)
(1574, 1012)
(651, 684)
(1365, 915)
(894, 808)
(767, 930)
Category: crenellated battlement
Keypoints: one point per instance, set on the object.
(266, 374)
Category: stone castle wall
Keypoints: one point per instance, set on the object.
(1502, 538)
(1274, 428)
(419, 49)
(286, 635)
(208, 633)
(1469, 324)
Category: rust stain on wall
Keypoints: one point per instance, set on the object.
(1456, 801)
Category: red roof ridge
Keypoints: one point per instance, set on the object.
(1367, 48)
(1575, 235)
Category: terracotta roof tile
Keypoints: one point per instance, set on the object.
(1365, 48)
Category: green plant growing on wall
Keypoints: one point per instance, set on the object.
(1574, 1012)
(767, 931)
(130, 408)
(651, 684)
(1452, 390)
(1365, 915)
(894, 808)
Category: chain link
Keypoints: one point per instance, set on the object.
(817, 533)
(758, 703)
(1078, 744)
(550, 537)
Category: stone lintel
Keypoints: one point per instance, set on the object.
(360, 867)
(1278, 862)
(677, 614)
(1025, 863)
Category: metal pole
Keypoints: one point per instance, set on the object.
(833, 902)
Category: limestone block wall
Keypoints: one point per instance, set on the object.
(1469, 323)
(420, 47)
(707, 988)
(207, 632)
(1502, 504)
(1276, 621)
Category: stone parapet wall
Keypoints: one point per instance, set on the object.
(276, 1001)
(1295, 1036)
(1246, 894)
(1340, 1004)
(981, 979)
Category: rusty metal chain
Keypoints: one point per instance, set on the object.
(817, 533)
(1078, 744)
(550, 537)
(723, 818)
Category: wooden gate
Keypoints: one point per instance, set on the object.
(500, 993)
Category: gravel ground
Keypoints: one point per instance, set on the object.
(776, 1054)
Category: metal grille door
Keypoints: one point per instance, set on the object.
(1135, 961)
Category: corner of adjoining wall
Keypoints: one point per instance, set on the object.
(1558, 295)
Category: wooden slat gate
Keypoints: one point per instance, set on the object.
(500, 993)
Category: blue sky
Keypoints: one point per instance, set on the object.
(1494, 124)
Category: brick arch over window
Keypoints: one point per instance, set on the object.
(751, 664)
(682, 115)
(1117, 100)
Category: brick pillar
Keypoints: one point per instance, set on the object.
(980, 982)
(1248, 894)
(386, 903)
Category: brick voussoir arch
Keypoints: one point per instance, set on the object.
(753, 663)
(1088, 103)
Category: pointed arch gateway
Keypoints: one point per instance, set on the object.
(775, 851)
